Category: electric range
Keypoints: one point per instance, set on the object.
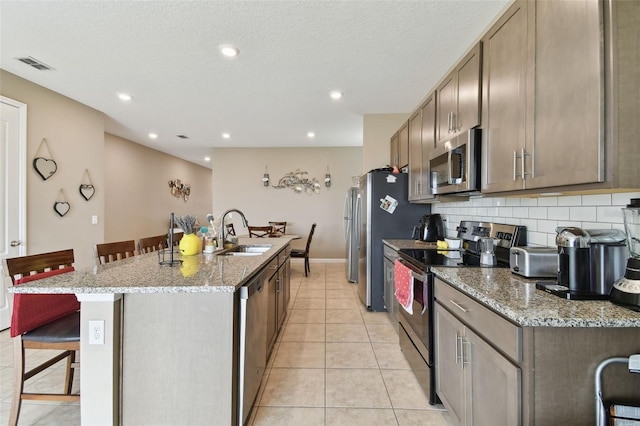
(416, 328)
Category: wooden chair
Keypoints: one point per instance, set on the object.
(259, 231)
(279, 227)
(149, 244)
(42, 321)
(305, 253)
(230, 229)
(110, 252)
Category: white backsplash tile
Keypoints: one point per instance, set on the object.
(540, 215)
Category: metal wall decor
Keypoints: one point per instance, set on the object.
(61, 206)
(299, 182)
(327, 178)
(45, 167)
(179, 189)
(86, 188)
(265, 177)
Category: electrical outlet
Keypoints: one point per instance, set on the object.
(96, 332)
(94, 219)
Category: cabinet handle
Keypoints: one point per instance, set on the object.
(523, 154)
(454, 122)
(515, 158)
(462, 308)
(457, 348)
(462, 343)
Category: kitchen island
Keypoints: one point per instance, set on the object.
(170, 351)
(528, 354)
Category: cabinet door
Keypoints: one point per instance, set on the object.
(569, 112)
(403, 146)
(393, 154)
(506, 103)
(468, 91)
(428, 144)
(415, 156)
(446, 99)
(272, 311)
(449, 373)
(281, 308)
(493, 384)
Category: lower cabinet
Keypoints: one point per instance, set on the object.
(278, 283)
(477, 384)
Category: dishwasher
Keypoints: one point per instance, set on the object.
(253, 344)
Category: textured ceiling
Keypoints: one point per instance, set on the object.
(384, 56)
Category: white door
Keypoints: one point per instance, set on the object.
(13, 214)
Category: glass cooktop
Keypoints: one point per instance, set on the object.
(425, 258)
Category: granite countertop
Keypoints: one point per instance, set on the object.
(517, 299)
(142, 274)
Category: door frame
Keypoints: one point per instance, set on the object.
(5, 312)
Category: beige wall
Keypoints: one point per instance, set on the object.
(137, 198)
(237, 183)
(377, 132)
(75, 136)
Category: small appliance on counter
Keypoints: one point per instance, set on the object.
(534, 262)
(430, 228)
(626, 291)
(589, 262)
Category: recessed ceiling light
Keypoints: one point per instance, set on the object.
(226, 135)
(153, 135)
(229, 51)
(335, 94)
(311, 135)
(125, 97)
(207, 159)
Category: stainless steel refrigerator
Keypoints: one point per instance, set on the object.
(351, 233)
(383, 211)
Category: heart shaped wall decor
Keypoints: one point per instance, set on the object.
(87, 191)
(61, 207)
(45, 167)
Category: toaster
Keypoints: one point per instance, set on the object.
(539, 262)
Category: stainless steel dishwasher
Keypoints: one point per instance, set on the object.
(253, 344)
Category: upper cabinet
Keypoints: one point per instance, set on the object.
(421, 142)
(399, 147)
(458, 97)
(549, 99)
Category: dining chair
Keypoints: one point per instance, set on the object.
(149, 244)
(110, 252)
(305, 253)
(259, 231)
(279, 227)
(50, 322)
(230, 229)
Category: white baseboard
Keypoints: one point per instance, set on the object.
(316, 260)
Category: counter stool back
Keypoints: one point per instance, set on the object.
(230, 229)
(149, 244)
(110, 252)
(279, 227)
(305, 253)
(42, 321)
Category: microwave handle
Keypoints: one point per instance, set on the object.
(450, 178)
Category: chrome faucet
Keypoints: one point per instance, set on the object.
(222, 225)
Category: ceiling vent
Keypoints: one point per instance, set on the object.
(33, 62)
(183, 136)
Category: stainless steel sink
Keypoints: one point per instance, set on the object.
(246, 250)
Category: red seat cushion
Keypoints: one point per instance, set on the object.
(33, 310)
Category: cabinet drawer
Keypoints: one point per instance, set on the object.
(503, 334)
(389, 252)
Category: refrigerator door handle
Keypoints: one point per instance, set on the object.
(356, 217)
(345, 216)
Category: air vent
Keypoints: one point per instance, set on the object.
(183, 136)
(33, 62)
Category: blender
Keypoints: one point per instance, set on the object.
(626, 291)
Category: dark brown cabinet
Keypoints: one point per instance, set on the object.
(421, 143)
(399, 147)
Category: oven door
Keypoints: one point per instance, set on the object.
(418, 325)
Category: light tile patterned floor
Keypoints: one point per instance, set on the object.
(334, 364)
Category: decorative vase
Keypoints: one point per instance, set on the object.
(190, 244)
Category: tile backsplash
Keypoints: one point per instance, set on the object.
(540, 215)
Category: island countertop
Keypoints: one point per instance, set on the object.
(200, 273)
(517, 299)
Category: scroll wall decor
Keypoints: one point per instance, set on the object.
(299, 182)
(179, 189)
(44, 166)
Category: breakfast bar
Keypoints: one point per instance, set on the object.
(169, 350)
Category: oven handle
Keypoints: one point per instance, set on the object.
(417, 275)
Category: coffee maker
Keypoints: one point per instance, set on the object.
(430, 228)
(589, 263)
(626, 291)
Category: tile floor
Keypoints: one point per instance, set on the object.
(334, 363)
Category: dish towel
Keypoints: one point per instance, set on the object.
(404, 286)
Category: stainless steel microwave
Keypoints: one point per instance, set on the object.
(455, 165)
